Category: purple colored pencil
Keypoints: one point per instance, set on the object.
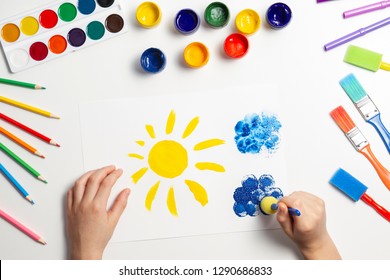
(356, 34)
(366, 9)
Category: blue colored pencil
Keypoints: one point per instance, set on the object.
(16, 184)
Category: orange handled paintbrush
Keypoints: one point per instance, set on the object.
(357, 139)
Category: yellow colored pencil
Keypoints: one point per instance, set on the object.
(20, 142)
(27, 107)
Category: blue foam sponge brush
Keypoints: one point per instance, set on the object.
(356, 190)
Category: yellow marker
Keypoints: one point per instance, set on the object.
(148, 14)
(28, 107)
(248, 21)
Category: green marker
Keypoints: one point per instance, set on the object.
(22, 163)
(365, 59)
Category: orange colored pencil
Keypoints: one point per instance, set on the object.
(20, 142)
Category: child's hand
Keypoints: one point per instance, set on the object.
(308, 230)
(89, 224)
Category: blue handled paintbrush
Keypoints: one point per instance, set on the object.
(356, 190)
(365, 106)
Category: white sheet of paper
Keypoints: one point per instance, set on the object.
(110, 129)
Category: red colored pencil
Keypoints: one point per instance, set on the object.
(29, 130)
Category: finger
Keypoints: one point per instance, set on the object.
(69, 200)
(284, 219)
(118, 207)
(104, 191)
(79, 188)
(94, 182)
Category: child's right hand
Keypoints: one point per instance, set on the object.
(308, 230)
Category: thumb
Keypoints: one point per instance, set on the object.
(284, 219)
(119, 206)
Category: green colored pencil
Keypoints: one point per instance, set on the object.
(22, 163)
(20, 84)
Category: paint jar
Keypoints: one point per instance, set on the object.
(196, 55)
(153, 60)
(278, 15)
(217, 15)
(187, 21)
(236, 45)
(248, 21)
(148, 14)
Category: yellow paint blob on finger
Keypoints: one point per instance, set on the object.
(171, 202)
(199, 192)
(151, 195)
(190, 127)
(208, 144)
(29, 25)
(210, 166)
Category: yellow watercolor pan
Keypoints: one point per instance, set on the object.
(148, 14)
(248, 21)
(196, 55)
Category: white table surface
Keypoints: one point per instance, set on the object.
(292, 58)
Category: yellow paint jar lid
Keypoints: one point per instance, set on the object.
(248, 21)
(196, 55)
(148, 14)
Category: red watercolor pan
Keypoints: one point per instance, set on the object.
(40, 35)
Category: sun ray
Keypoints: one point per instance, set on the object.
(171, 202)
(151, 195)
(139, 174)
(150, 130)
(136, 156)
(210, 166)
(190, 127)
(208, 144)
(140, 142)
(170, 123)
(200, 194)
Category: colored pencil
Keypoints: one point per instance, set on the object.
(22, 228)
(28, 130)
(22, 163)
(359, 142)
(20, 84)
(20, 142)
(365, 106)
(356, 34)
(27, 107)
(15, 183)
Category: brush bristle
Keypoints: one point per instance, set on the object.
(343, 120)
(348, 184)
(353, 88)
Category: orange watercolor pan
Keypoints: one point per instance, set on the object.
(43, 34)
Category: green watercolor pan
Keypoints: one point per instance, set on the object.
(54, 30)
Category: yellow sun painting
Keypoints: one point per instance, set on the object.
(169, 159)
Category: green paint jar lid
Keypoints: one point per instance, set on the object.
(217, 15)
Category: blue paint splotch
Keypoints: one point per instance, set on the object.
(258, 133)
(252, 190)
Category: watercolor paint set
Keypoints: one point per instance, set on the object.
(57, 29)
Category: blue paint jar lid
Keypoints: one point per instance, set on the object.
(153, 60)
(278, 15)
(187, 21)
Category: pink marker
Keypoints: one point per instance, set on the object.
(366, 9)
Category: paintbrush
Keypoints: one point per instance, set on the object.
(365, 106)
(359, 142)
(356, 190)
